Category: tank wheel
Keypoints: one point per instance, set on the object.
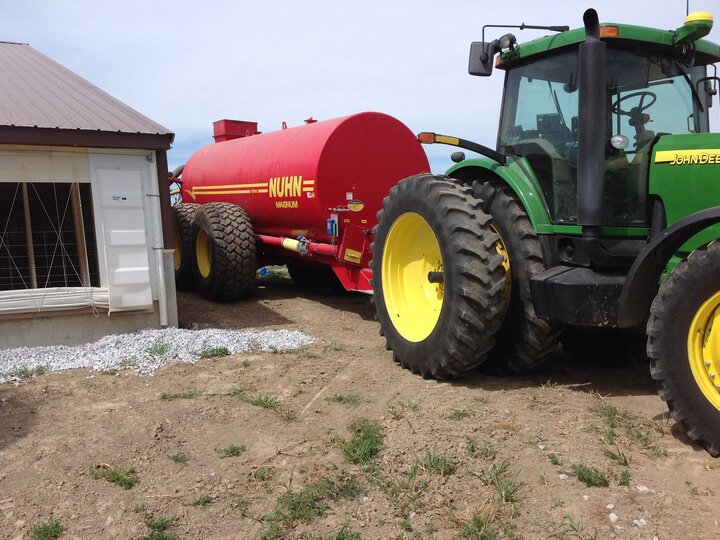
(524, 341)
(437, 277)
(183, 214)
(684, 345)
(225, 256)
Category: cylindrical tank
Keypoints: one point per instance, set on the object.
(292, 181)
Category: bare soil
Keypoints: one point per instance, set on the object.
(56, 428)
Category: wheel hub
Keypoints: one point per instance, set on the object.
(410, 257)
(203, 253)
(704, 349)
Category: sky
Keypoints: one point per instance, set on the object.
(185, 64)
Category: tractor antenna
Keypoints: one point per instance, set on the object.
(523, 26)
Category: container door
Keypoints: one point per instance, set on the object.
(118, 185)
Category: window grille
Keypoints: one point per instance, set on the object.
(47, 236)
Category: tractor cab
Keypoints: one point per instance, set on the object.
(647, 94)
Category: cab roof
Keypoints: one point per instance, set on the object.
(706, 52)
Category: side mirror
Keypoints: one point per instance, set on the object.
(482, 57)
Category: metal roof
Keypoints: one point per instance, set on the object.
(36, 91)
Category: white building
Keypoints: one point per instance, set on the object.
(84, 209)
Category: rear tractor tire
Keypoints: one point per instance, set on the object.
(684, 345)
(225, 259)
(183, 214)
(437, 277)
(525, 341)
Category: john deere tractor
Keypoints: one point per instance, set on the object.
(599, 208)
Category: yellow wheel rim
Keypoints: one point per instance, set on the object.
(177, 254)
(704, 349)
(411, 252)
(203, 253)
(502, 250)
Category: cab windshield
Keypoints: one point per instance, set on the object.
(646, 95)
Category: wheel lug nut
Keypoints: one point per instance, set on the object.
(712, 375)
(707, 363)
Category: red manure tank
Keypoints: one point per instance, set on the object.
(309, 195)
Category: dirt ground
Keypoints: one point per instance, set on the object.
(509, 452)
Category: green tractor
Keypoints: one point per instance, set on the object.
(599, 208)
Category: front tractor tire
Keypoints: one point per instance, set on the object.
(525, 341)
(437, 277)
(225, 259)
(684, 345)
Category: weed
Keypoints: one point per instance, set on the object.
(28, 373)
(286, 414)
(334, 347)
(554, 459)
(344, 533)
(245, 363)
(158, 524)
(157, 349)
(202, 500)
(403, 494)
(482, 399)
(111, 371)
(543, 480)
(309, 503)
(254, 345)
(557, 503)
(549, 384)
(310, 356)
(590, 476)
(695, 490)
(480, 527)
(232, 450)
(365, 443)
(411, 405)
(47, 531)
(128, 363)
(459, 414)
(507, 486)
(123, 478)
(240, 504)
(576, 530)
(140, 508)
(212, 352)
(187, 394)
(617, 455)
(348, 399)
(437, 463)
(486, 451)
(624, 479)
(179, 458)
(266, 401)
(264, 474)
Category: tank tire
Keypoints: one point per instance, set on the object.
(183, 214)
(446, 329)
(680, 324)
(525, 341)
(225, 253)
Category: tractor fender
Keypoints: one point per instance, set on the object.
(516, 173)
(641, 284)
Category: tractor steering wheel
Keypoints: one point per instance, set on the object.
(616, 106)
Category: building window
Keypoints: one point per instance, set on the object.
(47, 236)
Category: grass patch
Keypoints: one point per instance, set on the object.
(187, 394)
(309, 503)
(480, 527)
(349, 399)
(404, 494)
(213, 352)
(590, 476)
(158, 524)
(266, 401)
(486, 451)
(27, 373)
(128, 363)
(573, 529)
(625, 476)
(436, 463)
(179, 458)
(552, 458)
(231, 450)
(334, 347)
(459, 414)
(125, 478)
(202, 500)
(617, 455)
(343, 533)
(365, 442)
(263, 474)
(506, 484)
(47, 531)
(159, 348)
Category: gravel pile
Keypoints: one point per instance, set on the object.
(144, 351)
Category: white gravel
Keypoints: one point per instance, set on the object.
(144, 351)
